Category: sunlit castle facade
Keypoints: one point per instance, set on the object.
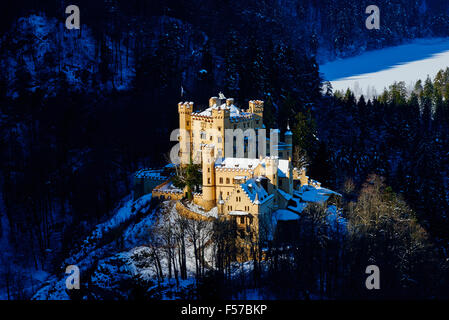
(246, 176)
(260, 180)
(208, 127)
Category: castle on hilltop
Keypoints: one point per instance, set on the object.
(244, 188)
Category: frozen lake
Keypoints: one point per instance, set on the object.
(371, 72)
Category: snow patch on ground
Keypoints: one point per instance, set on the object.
(129, 257)
(97, 245)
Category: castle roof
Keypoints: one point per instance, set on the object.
(234, 111)
(255, 192)
(238, 213)
(251, 164)
(310, 193)
(240, 163)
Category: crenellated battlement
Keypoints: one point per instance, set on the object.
(185, 107)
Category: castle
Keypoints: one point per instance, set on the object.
(244, 188)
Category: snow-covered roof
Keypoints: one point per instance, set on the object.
(234, 111)
(310, 193)
(251, 164)
(169, 187)
(255, 192)
(242, 163)
(298, 207)
(238, 213)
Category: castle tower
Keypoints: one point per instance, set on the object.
(185, 126)
(213, 101)
(208, 167)
(256, 108)
(271, 171)
(220, 123)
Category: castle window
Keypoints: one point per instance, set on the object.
(242, 220)
(208, 180)
(221, 180)
(219, 128)
(188, 122)
(227, 180)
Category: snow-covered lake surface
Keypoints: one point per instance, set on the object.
(372, 71)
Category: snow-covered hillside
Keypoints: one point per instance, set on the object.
(118, 255)
(372, 71)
